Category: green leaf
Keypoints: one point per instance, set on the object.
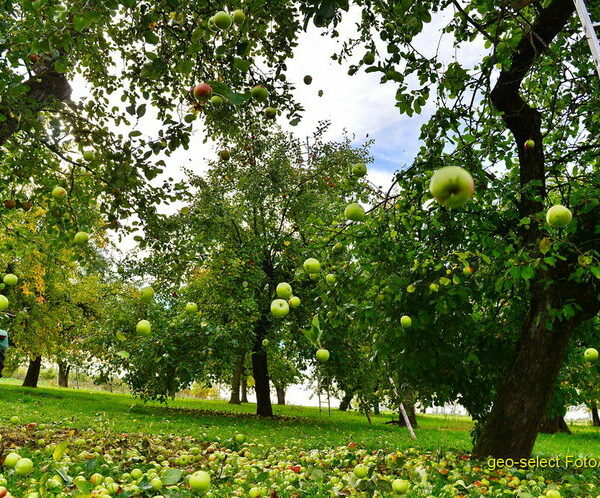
(236, 99)
(527, 272)
(171, 476)
(59, 451)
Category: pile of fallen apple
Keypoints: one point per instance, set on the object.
(52, 460)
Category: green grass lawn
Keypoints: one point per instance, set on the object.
(214, 420)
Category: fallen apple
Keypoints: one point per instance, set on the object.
(361, 471)
(452, 186)
(330, 278)
(11, 460)
(400, 485)
(23, 467)
(3, 303)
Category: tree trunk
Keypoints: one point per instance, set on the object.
(45, 86)
(260, 371)
(33, 372)
(412, 415)
(346, 400)
(238, 371)
(63, 374)
(554, 425)
(595, 415)
(1, 361)
(280, 395)
(376, 409)
(244, 389)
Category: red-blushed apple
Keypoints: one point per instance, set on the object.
(322, 355)
(81, 238)
(238, 16)
(59, 193)
(355, 212)
(400, 485)
(259, 93)
(222, 20)
(468, 270)
(452, 186)
(35, 58)
(143, 327)
(590, 354)
(10, 279)
(191, 307)
(202, 91)
(284, 290)
(529, 144)
(406, 321)
(359, 169)
(294, 302)
(3, 303)
(280, 308)
(559, 216)
(312, 265)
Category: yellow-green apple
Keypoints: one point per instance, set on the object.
(354, 212)
(238, 16)
(89, 155)
(224, 155)
(59, 193)
(529, 144)
(270, 113)
(406, 321)
(330, 278)
(11, 460)
(250, 382)
(191, 307)
(312, 265)
(361, 471)
(322, 355)
(10, 279)
(400, 485)
(294, 302)
(3, 303)
(259, 93)
(146, 294)
(216, 100)
(143, 327)
(265, 342)
(23, 467)
(410, 288)
(280, 308)
(359, 169)
(452, 186)
(222, 20)
(590, 354)
(434, 287)
(558, 216)
(284, 290)
(81, 238)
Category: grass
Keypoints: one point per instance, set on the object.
(217, 420)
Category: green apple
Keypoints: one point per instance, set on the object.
(23, 467)
(312, 265)
(147, 294)
(265, 343)
(137, 474)
(330, 278)
(10, 279)
(238, 16)
(361, 471)
(240, 438)
(191, 307)
(452, 186)
(354, 212)
(406, 321)
(468, 270)
(284, 290)
(3, 303)
(270, 113)
(202, 91)
(558, 216)
(308, 79)
(254, 492)
(590, 354)
(553, 493)
(143, 327)
(222, 20)
(411, 288)
(359, 169)
(59, 193)
(81, 238)
(96, 479)
(216, 100)
(337, 247)
(369, 58)
(89, 155)
(313, 276)
(280, 308)
(199, 481)
(322, 355)
(259, 93)
(434, 287)
(250, 382)
(294, 302)
(14, 419)
(11, 460)
(529, 144)
(400, 485)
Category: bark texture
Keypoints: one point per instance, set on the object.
(238, 371)
(280, 395)
(595, 415)
(553, 426)
(346, 401)
(63, 374)
(261, 372)
(33, 372)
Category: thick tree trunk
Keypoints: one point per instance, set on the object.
(376, 409)
(33, 372)
(346, 400)
(238, 371)
(260, 371)
(63, 374)
(280, 395)
(412, 415)
(244, 389)
(553, 426)
(595, 415)
(45, 86)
